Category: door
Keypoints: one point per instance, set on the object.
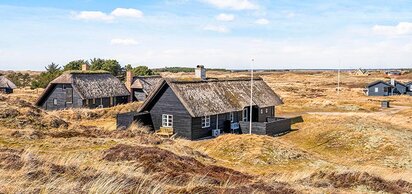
(245, 114)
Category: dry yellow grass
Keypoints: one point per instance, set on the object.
(343, 137)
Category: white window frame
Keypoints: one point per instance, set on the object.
(376, 89)
(261, 111)
(54, 101)
(232, 117)
(205, 121)
(167, 120)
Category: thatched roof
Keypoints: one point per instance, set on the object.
(213, 97)
(6, 83)
(89, 85)
(146, 83)
(363, 71)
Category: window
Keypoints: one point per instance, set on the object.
(376, 89)
(54, 101)
(232, 117)
(69, 95)
(167, 120)
(267, 110)
(205, 121)
(385, 89)
(261, 111)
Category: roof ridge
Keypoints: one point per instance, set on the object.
(87, 72)
(211, 80)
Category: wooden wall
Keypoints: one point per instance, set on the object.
(6, 90)
(168, 103)
(263, 115)
(138, 95)
(124, 120)
(278, 127)
(381, 92)
(267, 128)
(224, 124)
(60, 94)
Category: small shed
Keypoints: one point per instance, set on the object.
(385, 104)
(6, 86)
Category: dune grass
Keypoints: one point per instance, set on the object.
(346, 144)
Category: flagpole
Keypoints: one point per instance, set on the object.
(339, 78)
(251, 96)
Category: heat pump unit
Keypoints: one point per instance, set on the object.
(215, 132)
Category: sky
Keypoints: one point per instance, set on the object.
(277, 34)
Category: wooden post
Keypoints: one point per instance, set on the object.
(251, 97)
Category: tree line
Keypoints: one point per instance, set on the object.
(110, 65)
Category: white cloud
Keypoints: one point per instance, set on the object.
(125, 41)
(221, 29)
(127, 12)
(233, 4)
(403, 28)
(262, 21)
(225, 17)
(93, 15)
(101, 16)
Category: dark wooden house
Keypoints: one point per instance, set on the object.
(409, 86)
(195, 109)
(398, 87)
(6, 86)
(141, 86)
(379, 88)
(389, 88)
(88, 89)
(361, 72)
(393, 73)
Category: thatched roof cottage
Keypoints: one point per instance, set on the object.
(200, 107)
(88, 89)
(361, 72)
(6, 86)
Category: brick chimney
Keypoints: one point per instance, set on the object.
(129, 80)
(200, 72)
(85, 67)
